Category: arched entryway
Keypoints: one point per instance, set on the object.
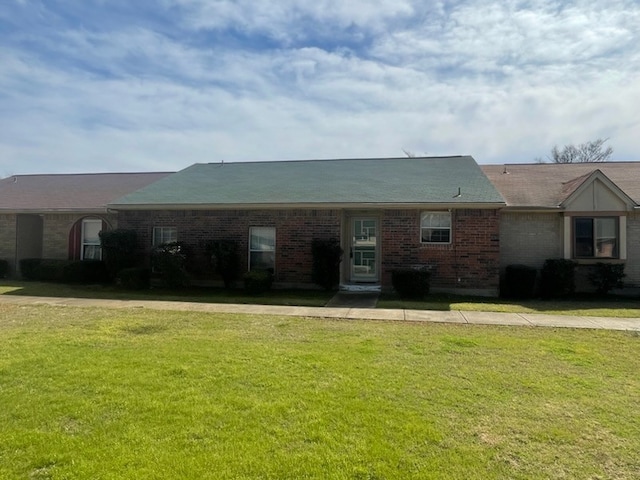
(84, 238)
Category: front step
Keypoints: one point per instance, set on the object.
(344, 299)
(360, 288)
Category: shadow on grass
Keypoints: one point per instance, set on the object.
(588, 305)
(579, 304)
(311, 298)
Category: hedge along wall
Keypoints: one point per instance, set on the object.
(295, 231)
(470, 261)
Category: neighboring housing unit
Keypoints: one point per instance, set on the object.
(587, 212)
(440, 213)
(59, 216)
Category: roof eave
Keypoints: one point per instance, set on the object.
(308, 205)
(37, 211)
(533, 208)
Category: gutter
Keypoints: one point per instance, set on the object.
(31, 211)
(315, 206)
(541, 209)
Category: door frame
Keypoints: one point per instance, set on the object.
(353, 277)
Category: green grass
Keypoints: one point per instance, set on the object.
(112, 394)
(580, 305)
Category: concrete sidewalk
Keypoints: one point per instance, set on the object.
(476, 318)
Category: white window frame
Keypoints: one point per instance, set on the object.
(83, 241)
(424, 216)
(263, 247)
(166, 234)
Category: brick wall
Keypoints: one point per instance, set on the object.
(632, 268)
(8, 239)
(295, 230)
(471, 261)
(530, 238)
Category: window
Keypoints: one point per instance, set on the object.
(435, 227)
(91, 228)
(595, 237)
(163, 235)
(262, 247)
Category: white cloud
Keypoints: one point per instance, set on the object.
(495, 80)
(288, 20)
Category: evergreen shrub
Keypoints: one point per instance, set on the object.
(607, 276)
(519, 281)
(411, 283)
(327, 255)
(257, 282)
(557, 278)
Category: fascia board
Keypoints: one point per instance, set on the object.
(532, 209)
(315, 206)
(44, 211)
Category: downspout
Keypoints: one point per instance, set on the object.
(454, 215)
(15, 250)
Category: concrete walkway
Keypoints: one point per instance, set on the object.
(476, 318)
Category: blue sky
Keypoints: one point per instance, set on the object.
(115, 85)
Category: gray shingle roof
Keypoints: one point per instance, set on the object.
(69, 192)
(549, 184)
(353, 181)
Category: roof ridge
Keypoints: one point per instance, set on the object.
(308, 160)
(531, 164)
(21, 175)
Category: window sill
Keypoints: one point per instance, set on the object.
(593, 261)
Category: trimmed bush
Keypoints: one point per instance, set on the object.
(327, 256)
(134, 278)
(170, 260)
(4, 268)
(519, 281)
(411, 283)
(606, 276)
(85, 272)
(51, 270)
(557, 278)
(29, 268)
(257, 282)
(225, 260)
(119, 250)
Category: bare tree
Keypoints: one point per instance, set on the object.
(585, 152)
(409, 153)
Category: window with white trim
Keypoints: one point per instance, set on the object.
(262, 248)
(162, 235)
(435, 227)
(596, 237)
(91, 249)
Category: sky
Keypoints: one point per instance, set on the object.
(157, 85)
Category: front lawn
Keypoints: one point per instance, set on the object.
(106, 394)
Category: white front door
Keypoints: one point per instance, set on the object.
(364, 249)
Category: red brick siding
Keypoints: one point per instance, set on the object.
(471, 261)
(295, 230)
